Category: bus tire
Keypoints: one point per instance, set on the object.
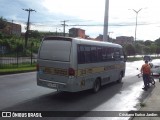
(120, 78)
(96, 85)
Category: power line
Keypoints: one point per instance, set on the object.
(45, 23)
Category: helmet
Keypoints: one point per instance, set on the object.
(151, 65)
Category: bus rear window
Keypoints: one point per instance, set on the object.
(56, 50)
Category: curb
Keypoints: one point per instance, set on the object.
(139, 107)
(146, 101)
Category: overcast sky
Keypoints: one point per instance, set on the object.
(50, 13)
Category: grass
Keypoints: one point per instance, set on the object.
(131, 59)
(13, 68)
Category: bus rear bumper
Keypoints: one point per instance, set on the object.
(59, 86)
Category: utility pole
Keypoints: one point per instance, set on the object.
(27, 31)
(105, 29)
(64, 25)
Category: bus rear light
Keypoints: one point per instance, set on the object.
(71, 72)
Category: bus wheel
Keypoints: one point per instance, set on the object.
(97, 85)
(120, 78)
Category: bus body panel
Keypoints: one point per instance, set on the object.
(54, 62)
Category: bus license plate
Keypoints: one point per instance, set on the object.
(52, 85)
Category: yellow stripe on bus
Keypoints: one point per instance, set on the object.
(80, 72)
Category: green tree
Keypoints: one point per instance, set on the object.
(153, 48)
(1, 35)
(34, 34)
(157, 42)
(158, 50)
(3, 23)
(140, 42)
(129, 50)
(147, 50)
(19, 47)
(148, 43)
(138, 48)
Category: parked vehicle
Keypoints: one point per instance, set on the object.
(147, 58)
(155, 67)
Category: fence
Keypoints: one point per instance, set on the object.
(10, 59)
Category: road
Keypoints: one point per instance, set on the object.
(19, 92)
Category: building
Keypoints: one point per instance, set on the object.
(77, 32)
(12, 29)
(123, 40)
(99, 38)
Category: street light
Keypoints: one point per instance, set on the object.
(136, 22)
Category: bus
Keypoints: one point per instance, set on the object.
(75, 64)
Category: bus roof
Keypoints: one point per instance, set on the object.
(83, 41)
(96, 43)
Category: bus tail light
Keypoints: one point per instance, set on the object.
(71, 72)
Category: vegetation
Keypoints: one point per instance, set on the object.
(15, 69)
(3, 23)
(14, 47)
(143, 48)
(14, 44)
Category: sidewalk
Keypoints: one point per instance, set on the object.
(152, 103)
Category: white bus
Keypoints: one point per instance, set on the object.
(74, 64)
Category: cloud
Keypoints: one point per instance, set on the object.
(84, 9)
(50, 13)
(12, 9)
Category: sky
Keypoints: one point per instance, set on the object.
(87, 15)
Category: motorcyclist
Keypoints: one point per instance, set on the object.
(146, 71)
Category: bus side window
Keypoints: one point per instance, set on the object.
(118, 54)
(99, 54)
(93, 54)
(81, 54)
(122, 55)
(104, 54)
(87, 54)
(110, 53)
